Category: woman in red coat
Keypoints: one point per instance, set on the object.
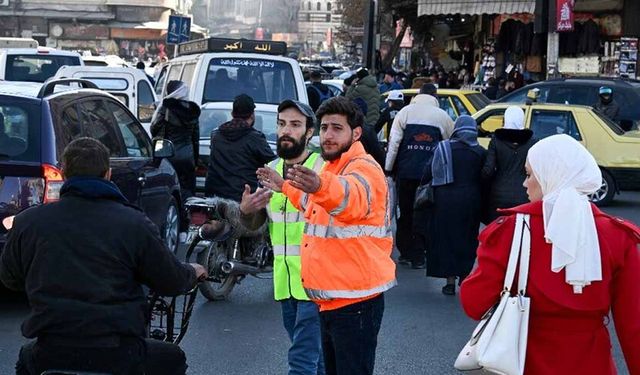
(584, 264)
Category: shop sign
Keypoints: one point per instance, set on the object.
(564, 15)
(81, 32)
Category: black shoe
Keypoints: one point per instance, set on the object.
(404, 261)
(449, 289)
(419, 265)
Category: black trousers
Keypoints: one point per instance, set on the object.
(406, 240)
(350, 337)
(134, 356)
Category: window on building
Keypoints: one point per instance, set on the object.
(308, 17)
(329, 6)
(319, 6)
(309, 5)
(328, 17)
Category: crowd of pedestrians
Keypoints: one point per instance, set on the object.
(330, 219)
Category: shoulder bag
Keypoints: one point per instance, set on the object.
(498, 345)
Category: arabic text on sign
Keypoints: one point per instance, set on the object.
(245, 62)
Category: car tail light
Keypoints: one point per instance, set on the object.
(197, 217)
(53, 182)
(201, 171)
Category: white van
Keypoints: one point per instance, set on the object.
(129, 85)
(218, 69)
(34, 64)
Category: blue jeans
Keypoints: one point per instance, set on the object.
(302, 322)
(350, 337)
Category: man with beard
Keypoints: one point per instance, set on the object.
(346, 245)
(286, 224)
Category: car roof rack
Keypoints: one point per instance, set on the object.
(266, 47)
(49, 86)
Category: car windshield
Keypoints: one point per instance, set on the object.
(212, 118)
(266, 81)
(19, 130)
(36, 68)
(612, 125)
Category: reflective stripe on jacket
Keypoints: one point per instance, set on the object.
(346, 247)
(286, 226)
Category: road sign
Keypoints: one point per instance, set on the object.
(185, 30)
(179, 29)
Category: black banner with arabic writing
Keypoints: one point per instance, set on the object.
(232, 45)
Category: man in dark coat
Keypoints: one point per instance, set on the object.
(237, 150)
(366, 87)
(504, 166)
(317, 91)
(82, 261)
(177, 120)
(606, 105)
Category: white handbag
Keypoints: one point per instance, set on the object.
(498, 345)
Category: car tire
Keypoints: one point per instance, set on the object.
(607, 191)
(171, 226)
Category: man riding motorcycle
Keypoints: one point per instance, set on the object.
(82, 261)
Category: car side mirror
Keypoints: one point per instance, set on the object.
(163, 149)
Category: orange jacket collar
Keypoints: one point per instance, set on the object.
(356, 150)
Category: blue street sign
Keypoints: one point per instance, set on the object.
(185, 30)
(173, 31)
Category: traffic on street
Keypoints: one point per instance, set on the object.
(347, 187)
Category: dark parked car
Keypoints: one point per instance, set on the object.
(584, 91)
(36, 123)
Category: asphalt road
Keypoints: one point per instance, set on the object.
(422, 331)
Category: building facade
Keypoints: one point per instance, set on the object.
(129, 28)
(319, 21)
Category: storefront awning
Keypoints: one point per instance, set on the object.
(441, 7)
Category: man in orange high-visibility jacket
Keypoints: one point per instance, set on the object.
(346, 247)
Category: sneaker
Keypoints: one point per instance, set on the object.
(404, 261)
(418, 265)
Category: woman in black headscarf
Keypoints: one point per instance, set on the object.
(177, 120)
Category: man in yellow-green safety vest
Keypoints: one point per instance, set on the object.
(286, 226)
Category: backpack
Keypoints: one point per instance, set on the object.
(322, 96)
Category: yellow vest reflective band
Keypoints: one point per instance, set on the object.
(286, 227)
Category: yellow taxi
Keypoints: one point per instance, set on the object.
(454, 102)
(617, 152)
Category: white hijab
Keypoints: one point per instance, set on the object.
(180, 93)
(567, 173)
(514, 118)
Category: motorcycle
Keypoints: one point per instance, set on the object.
(228, 262)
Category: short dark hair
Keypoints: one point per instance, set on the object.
(340, 105)
(243, 106)
(140, 65)
(315, 74)
(429, 89)
(85, 157)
